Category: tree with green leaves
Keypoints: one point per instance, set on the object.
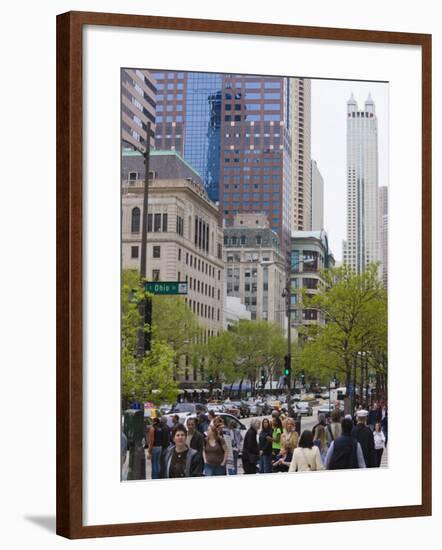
(148, 377)
(221, 355)
(354, 307)
(259, 345)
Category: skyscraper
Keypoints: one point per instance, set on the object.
(188, 121)
(317, 197)
(362, 244)
(138, 101)
(235, 130)
(301, 155)
(255, 168)
(383, 232)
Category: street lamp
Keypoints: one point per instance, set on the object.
(146, 305)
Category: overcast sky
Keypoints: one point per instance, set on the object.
(328, 138)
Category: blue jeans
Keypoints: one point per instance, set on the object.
(234, 471)
(214, 470)
(156, 462)
(265, 464)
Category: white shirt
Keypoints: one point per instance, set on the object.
(379, 440)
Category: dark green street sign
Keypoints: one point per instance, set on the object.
(158, 287)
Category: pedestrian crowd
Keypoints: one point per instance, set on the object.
(208, 447)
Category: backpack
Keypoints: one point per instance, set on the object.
(344, 454)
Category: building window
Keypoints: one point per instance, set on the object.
(308, 282)
(135, 222)
(155, 275)
(310, 315)
(133, 176)
(157, 223)
(179, 254)
(134, 251)
(295, 260)
(164, 223)
(310, 260)
(156, 251)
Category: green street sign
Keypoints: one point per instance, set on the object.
(158, 287)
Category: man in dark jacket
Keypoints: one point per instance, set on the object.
(344, 452)
(195, 440)
(180, 460)
(362, 433)
(374, 416)
(250, 451)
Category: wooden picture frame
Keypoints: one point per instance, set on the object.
(70, 156)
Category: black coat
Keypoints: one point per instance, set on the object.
(374, 416)
(250, 452)
(364, 435)
(197, 442)
(264, 444)
(194, 463)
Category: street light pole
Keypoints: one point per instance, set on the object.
(137, 459)
(145, 206)
(146, 305)
(288, 377)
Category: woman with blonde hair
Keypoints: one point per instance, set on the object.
(321, 441)
(289, 442)
(306, 457)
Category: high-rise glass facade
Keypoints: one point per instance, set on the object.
(188, 121)
(202, 128)
(235, 131)
(255, 173)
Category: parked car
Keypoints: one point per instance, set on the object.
(304, 408)
(215, 406)
(274, 404)
(183, 410)
(326, 409)
(265, 408)
(165, 408)
(308, 397)
(244, 409)
(255, 407)
(232, 408)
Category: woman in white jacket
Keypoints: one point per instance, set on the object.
(306, 456)
(379, 443)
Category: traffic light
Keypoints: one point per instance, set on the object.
(287, 365)
(263, 378)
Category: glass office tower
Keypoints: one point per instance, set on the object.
(188, 121)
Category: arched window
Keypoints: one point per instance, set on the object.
(135, 223)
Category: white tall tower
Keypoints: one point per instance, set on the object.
(362, 245)
(383, 232)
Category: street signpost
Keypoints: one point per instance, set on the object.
(166, 288)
